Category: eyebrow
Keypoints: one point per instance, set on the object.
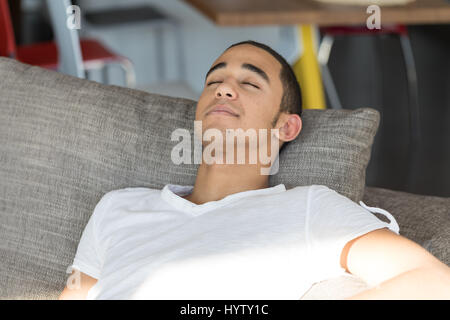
(247, 66)
(217, 66)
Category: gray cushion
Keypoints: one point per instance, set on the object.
(65, 142)
(332, 149)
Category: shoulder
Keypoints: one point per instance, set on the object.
(313, 192)
(301, 189)
(320, 192)
(120, 196)
(321, 188)
(313, 189)
(298, 193)
(131, 191)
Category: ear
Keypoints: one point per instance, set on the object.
(291, 125)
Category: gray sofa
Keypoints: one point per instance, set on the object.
(65, 142)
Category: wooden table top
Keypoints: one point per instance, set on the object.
(285, 12)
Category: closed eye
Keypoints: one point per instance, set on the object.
(251, 84)
(213, 82)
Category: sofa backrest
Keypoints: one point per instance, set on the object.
(65, 142)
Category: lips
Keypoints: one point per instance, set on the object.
(222, 109)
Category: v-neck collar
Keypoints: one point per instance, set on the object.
(173, 194)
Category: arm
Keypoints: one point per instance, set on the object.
(79, 286)
(89, 253)
(396, 267)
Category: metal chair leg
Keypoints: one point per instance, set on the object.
(159, 51)
(104, 74)
(323, 56)
(70, 57)
(307, 70)
(180, 57)
(130, 75)
(414, 110)
(411, 74)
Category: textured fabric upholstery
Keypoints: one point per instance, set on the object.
(65, 142)
(333, 149)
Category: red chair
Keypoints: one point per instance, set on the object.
(45, 54)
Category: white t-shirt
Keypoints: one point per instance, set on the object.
(271, 243)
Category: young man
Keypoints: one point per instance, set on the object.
(231, 236)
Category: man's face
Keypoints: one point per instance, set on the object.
(244, 80)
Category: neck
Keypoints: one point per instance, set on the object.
(214, 182)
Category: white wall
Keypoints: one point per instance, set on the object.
(202, 41)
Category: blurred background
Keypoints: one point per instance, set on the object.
(171, 45)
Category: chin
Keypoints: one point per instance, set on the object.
(222, 128)
(221, 123)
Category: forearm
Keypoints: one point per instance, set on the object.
(417, 284)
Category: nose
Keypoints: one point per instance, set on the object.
(225, 90)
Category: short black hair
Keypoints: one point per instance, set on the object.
(291, 101)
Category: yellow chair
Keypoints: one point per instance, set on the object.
(307, 70)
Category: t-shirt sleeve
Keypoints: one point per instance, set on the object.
(332, 221)
(90, 252)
